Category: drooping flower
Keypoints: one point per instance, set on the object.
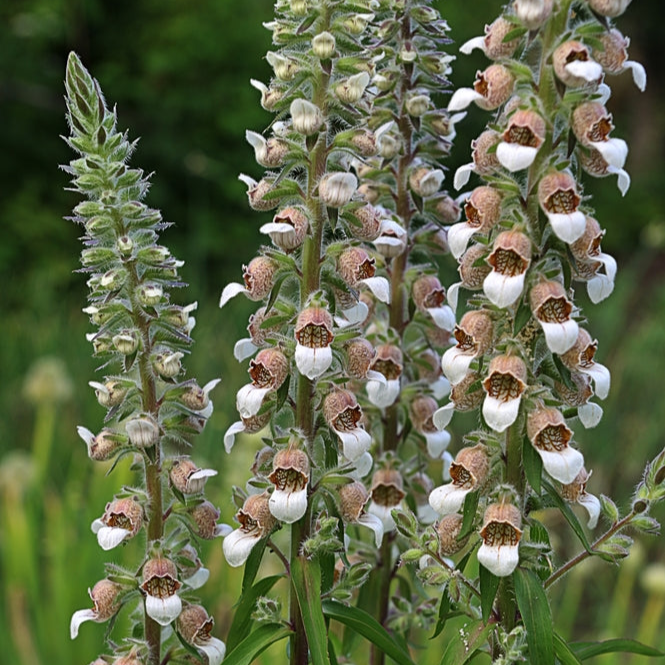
(505, 383)
(509, 260)
(314, 335)
(611, 8)
(352, 500)
(483, 211)
(287, 229)
(336, 189)
(197, 398)
(250, 425)
(160, 585)
(550, 436)
(204, 516)
(290, 476)
(575, 492)
(593, 163)
(268, 153)
(574, 66)
(484, 158)
(105, 596)
(448, 529)
(103, 446)
(533, 13)
(580, 358)
(343, 414)
(474, 335)
(592, 124)
(522, 139)
(195, 627)
(258, 277)
(469, 472)
(357, 267)
(256, 192)
(613, 57)
(388, 361)
(492, 42)
(423, 409)
(501, 534)
(426, 182)
(559, 200)
(387, 493)
(256, 522)
(429, 297)
(552, 310)
(351, 90)
(268, 372)
(392, 240)
(188, 478)
(578, 395)
(491, 88)
(121, 520)
(462, 398)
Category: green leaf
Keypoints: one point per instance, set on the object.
(256, 643)
(569, 515)
(563, 651)
(366, 625)
(242, 618)
(489, 583)
(586, 650)
(306, 579)
(533, 465)
(469, 515)
(252, 565)
(537, 616)
(461, 651)
(444, 611)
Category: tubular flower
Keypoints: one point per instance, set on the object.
(160, 585)
(360, 353)
(270, 153)
(287, 229)
(258, 281)
(501, 534)
(491, 88)
(256, 522)
(483, 153)
(592, 124)
(106, 601)
(473, 270)
(429, 296)
(306, 117)
(429, 371)
(290, 476)
(505, 383)
(550, 436)
(352, 500)
(387, 493)
(509, 260)
(121, 520)
(369, 223)
(256, 192)
(352, 89)
(251, 425)
(595, 165)
(469, 472)
(343, 414)
(103, 446)
(391, 241)
(474, 335)
(575, 492)
(268, 372)
(578, 396)
(522, 138)
(336, 189)
(388, 362)
(589, 260)
(559, 200)
(187, 478)
(462, 398)
(533, 13)
(613, 57)
(492, 42)
(422, 411)
(244, 348)
(195, 627)
(574, 66)
(357, 267)
(448, 529)
(205, 516)
(580, 359)
(426, 182)
(552, 310)
(611, 8)
(313, 333)
(483, 211)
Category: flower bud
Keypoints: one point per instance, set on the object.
(336, 189)
(126, 341)
(369, 226)
(109, 394)
(143, 431)
(323, 45)
(422, 409)
(360, 354)
(112, 280)
(150, 295)
(418, 104)
(356, 23)
(103, 446)
(288, 228)
(352, 500)
(574, 66)
(351, 90)
(426, 182)
(307, 118)
(392, 239)
(611, 8)
(473, 268)
(205, 516)
(187, 478)
(448, 530)
(447, 210)
(285, 69)
(167, 364)
(258, 276)
(256, 192)
(496, 85)
(533, 13)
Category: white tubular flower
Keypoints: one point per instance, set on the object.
(469, 472)
(474, 335)
(195, 627)
(313, 333)
(307, 118)
(269, 154)
(426, 182)
(592, 124)
(387, 493)
(483, 212)
(505, 383)
(493, 43)
(509, 260)
(491, 88)
(461, 400)
(268, 372)
(549, 435)
(121, 520)
(258, 277)
(287, 229)
(559, 200)
(198, 399)
(595, 165)
(391, 241)
(188, 478)
(337, 189)
(613, 57)
(590, 260)
(103, 446)
(521, 140)
(356, 267)
(343, 415)
(352, 500)
(580, 359)
(256, 522)
(388, 362)
(429, 296)
(575, 492)
(552, 310)
(533, 13)
(290, 476)
(501, 534)
(105, 598)
(269, 97)
(250, 425)
(352, 89)
(160, 585)
(423, 409)
(574, 66)
(484, 161)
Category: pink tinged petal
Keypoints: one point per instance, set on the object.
(109, 537)
(589, 70)
(560, 336)
(443, 317)
(437, 442)
(355, 442)
(500, 414)
(563, 465)
(78, 618)
(590, 414)
(458, 238)
(375, 524)
(288, 506)
(238, 545)
(503, 290)
(448, 499)
(244, 348)
(623, 178)
(567, 227)
(379, 286)
(462, 98)
(163, 610)
(447, 460)
(613, 151)
(499, 559)
(230, 435)
(213, 648)
(356, 314)
(592, 505)
(384, 513)
(383, 395)
(363, 465)
(453, 295)
(601, 378)
(198, 579)
(440, 388)
(474, 43)
(231, 291)
(249, 400)
(455, 364)
(463, 174)
(313, 362)
(638, 72)
(515, 157)
(443, 416)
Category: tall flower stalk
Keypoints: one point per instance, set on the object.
(153, 412)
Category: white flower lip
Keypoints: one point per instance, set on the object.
(462, 98)
(108, 537)
(375, 524)
(448, 499)
(473, 43)
(614, 151)
(355, 442)
(231, 291)
(568, 227)
(383, 395)
(280, 233)
(437, 442)
(462, 175)
(503, 290)
(458, 237)
(163, 610)
(455, 364)
(500, 414)
(560, 337)
(238, 545)
(601, 286)
(563, 465)
(230, 435)
(453, 295)
(515, 157)
(244, 348)
(384, 514)
(499, 559)
(353, 315)
(443, 416)
(638, 72)
(78, 618)
(379, 286)
(592, 505)
(443, 317)
(249, 400)
(601, 378)
(589, 70)
(288, 506)
(214, 649)
(590, 414)
(313, 362)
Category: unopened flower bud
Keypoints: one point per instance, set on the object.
(150, 295)
(270, 153)
(258, 277)
(352, 89)
(323, 45)
(112, 280)
(574, 66)
(533, 13)
(126, 341)
(336, 189)
(364, 141)
(285, 69)
(307, 118)
(426, 182)
(168, 364)
(143, 431)
(103, 446)
(448, 530)
(356, 23)
(369, 223)
(418, 104)
(385, 81)
(611, 8)
(288, 228)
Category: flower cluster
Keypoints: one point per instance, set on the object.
(141, 338)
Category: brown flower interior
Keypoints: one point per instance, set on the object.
(288, 479)
(387, 495)
(465, 342)
(504, 387)
(119, 521)
(388, 368)
(553, 438)
(314, 336)
(247, 522)
(575, 54)
(481, 85)
(473, 215)
(563, 201)
(599, 130)
(586, 356)
(461, 476)
(554, 310)
(365, 269)
(506, 262)
(203, 633)
(161, 587)
(522, 136)
(500, 533)
(348, 419)
(260, 375)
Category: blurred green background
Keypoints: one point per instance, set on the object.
(179, 72)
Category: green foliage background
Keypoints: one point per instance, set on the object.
(179, 73)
